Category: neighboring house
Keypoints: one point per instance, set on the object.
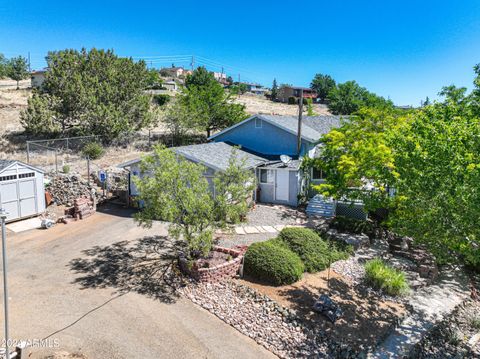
(256, 89)
(220, 77)
(262, 139)
(287, 92)
(38, 77)
(175, 71)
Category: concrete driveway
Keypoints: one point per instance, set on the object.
(70, 284)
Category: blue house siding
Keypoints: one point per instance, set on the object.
(265, 139)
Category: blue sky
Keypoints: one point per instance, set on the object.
(404, 50)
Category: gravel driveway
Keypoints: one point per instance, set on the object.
(78, 285)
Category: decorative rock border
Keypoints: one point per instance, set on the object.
(217, 273)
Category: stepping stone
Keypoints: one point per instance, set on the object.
(260, 229)
(279, 227)
(239, 230)
(250, 230)
(269, 229)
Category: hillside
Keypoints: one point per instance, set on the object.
(258, 104)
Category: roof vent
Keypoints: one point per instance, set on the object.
(285, 159)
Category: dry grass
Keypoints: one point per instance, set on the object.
(258, 104)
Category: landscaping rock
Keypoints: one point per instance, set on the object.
(276, 328)
(355, 240)
(65, 188)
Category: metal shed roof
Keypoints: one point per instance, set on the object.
(4, 164)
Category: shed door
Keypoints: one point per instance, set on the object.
(281, 189)
(9, 199)
(27, 196)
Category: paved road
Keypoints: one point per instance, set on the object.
(46, 296)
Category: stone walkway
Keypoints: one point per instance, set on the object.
(430, 305)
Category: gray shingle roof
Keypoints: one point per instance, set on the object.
(217, 154)
(313, 127)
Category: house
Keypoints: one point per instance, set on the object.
(220, 77)
(286, 93)
(22, 192)
(174, 71)
(256, 89)
(268, 144)
(37, 78)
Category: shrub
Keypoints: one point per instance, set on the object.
(93, 150)
(161, 99)
(66, 169)
(292, 100)
(381, 276)
(313, 251)
(273, 262)
(346, 224)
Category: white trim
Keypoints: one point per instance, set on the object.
(36, 169)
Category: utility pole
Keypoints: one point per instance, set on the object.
(193, 62)
(29, 67)
(300, 114)
(238, 78)
(3, 217)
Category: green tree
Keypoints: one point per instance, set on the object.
(211, 107)
(323, 84)
(175, 190)
(274, 93)
(345, 98)
(429, 157)
(349, 97)
(453, 94)
(17, 69)
(154, 80)
(90, 92)
(3, 66)
(233, 190)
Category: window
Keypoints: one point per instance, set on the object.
(258, 123)
(317, 174)
(266, 176)
(8, 178)
(26, 175)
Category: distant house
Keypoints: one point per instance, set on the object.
(220, 77)
(287, 92)
(268, 144)
(176, 72)
(37, 78)
(256, 89)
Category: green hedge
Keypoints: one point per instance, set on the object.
(381, 276)
(273, 262)
(314, 252)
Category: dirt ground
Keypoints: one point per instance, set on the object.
(366, 318)
(92, 288)
(258, 104)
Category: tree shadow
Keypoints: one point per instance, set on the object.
(146, 266)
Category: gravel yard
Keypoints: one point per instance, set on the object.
(458, 336)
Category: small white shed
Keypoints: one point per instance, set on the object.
(22, 191)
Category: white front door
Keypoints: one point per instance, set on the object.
(281, 185)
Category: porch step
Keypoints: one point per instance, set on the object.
(321, 206)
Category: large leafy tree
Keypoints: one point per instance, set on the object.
(90, 92)
(212, 108)
(323, 84)
(427, 158)
(349, 97)
(17, 69)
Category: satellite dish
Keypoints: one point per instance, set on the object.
(285, 159)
